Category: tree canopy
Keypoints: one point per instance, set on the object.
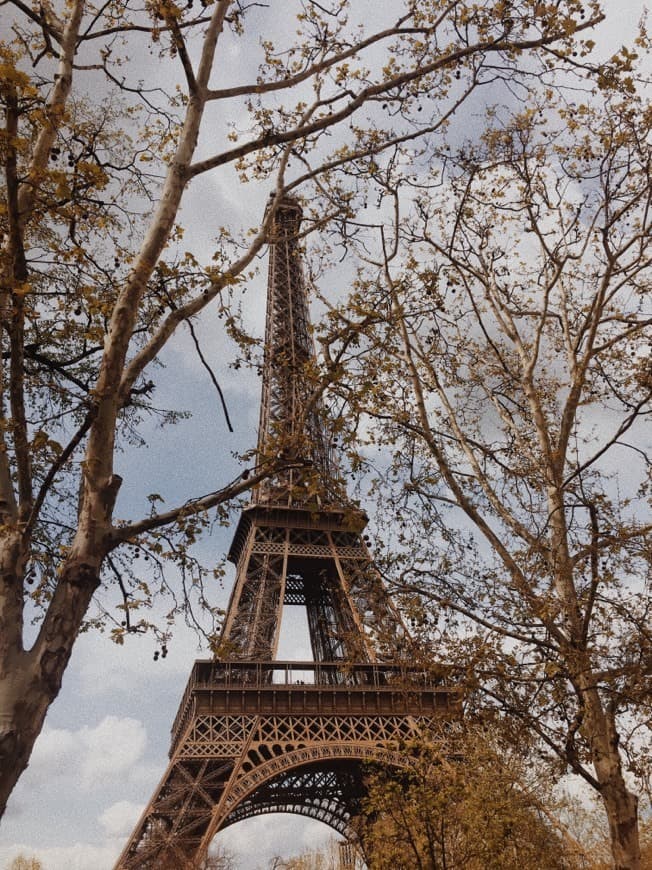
(498, 357)
(468, 800)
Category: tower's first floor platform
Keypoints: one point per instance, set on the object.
(260, 737)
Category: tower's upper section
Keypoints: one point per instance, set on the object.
(290, 425)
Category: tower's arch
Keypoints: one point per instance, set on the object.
(329, 789)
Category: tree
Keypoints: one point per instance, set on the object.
(584, 821)
(501, 349)
(467, 801)
(219, 859)
(20, 862)
(94, 278)
(326, 858)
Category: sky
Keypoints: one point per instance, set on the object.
(104, 745)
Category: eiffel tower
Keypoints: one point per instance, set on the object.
(256, 735)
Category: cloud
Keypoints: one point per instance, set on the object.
(256, 841)
(109, 751)
(70, 777)
(112, 748)
(131, 668)
(120, 818)
(53, 752)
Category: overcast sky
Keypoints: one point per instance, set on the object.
(105, 742)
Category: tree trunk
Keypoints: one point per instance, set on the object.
(622, 814)
(23, 705)
(13, 660)
(31, 680)
(621, 806)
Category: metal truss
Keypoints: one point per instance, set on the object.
(326, 569)
(290, 415)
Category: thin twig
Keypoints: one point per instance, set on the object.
(211, 374)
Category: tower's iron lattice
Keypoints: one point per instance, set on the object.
(254, 735)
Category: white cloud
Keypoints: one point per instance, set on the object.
(255, 841)
(53, 752)
(109, 751)
(132, 668)
(120, 818)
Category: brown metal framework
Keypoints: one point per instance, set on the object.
(290, 414)
(254, 735)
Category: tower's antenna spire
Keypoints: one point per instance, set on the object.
(290, 416)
